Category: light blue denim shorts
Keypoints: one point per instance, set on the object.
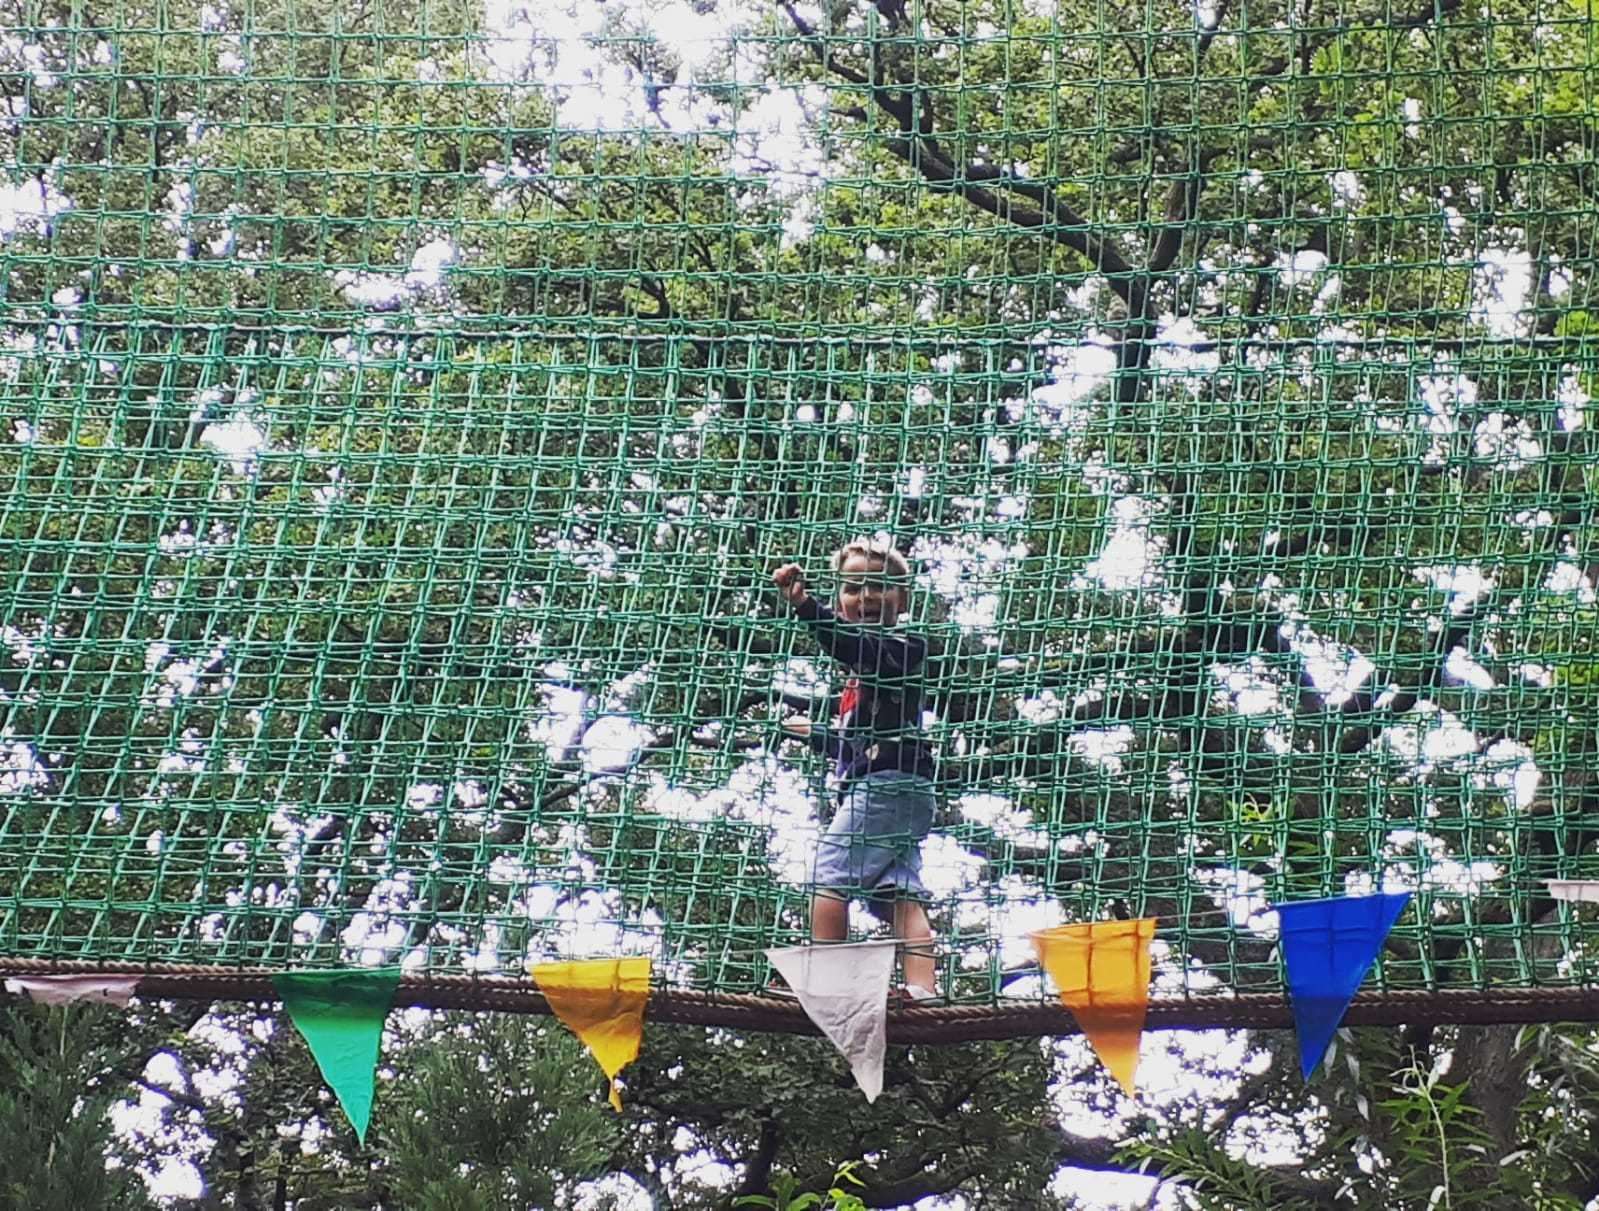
(873, 848)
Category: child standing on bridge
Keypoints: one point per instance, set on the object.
(884, 766)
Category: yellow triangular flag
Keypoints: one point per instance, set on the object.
(1102, 971)
(602, 1000)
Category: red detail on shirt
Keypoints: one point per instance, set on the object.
(849, 699)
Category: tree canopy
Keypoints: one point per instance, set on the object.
(408, 405)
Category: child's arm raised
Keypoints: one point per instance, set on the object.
(790, 581)
(868, 650)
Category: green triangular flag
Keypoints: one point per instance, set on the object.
(341, 1015)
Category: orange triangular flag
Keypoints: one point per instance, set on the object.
(1102, 971)
(602, 1000)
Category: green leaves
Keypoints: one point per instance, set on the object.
(492, 1113)
(785, 1195)
(55, 1099)
(1214, 1180)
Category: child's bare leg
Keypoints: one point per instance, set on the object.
(912, 927)
(829, 918)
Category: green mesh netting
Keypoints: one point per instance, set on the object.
(403, 407)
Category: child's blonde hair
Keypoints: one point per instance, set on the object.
(880, 551)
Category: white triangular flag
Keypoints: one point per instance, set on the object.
(844, 990)
(64, 989)
(1581, 890)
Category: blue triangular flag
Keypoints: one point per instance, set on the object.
(1328, 947)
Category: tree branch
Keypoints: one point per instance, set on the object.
(177, 1096)
(758, 1169)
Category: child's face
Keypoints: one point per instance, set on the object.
(863, 596)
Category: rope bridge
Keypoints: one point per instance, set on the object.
(402, 411)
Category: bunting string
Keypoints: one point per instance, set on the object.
(939, 1024)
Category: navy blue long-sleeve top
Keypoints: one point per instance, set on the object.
(879, 725)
